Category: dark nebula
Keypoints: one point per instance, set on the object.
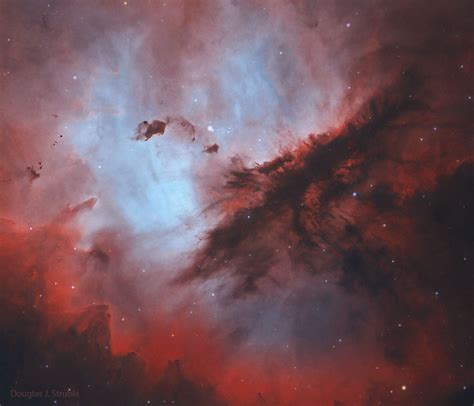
(321, 254)
(146, 130)
(211, 149)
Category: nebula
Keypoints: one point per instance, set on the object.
(236, 203)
